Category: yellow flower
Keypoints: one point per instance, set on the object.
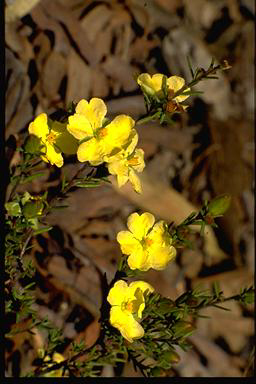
(127, 305)
(126, 162)
(98, 141)
(147, 243)
(54, 139)
(153, 85)
(56, 358)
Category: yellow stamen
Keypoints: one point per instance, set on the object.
(51, 138)
(148, 242)
(134, 161)
(171, 107)
(102, 132)
(129, 307)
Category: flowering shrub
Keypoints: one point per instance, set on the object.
(137, 323)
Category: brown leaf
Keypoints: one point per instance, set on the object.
(95, 21)
(56, 11)
(53, 72)
(79, 78)
(120, 72)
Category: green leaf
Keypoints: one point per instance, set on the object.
(32, 177)
(219, 205)
(60, 206)
(190, 66)
(220, 307)
(42, 230)
(216, 288)
(191, 93)
(88, 184)
(32, 144)
(85, 139)
(164, 86)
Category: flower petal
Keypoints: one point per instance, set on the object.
(157, 80)
(157, 234)
(139, 225)
(128, 242)
(53, 155)
(94, 111)
(143, 287)
(65, 141)
(117, 293)
(139, 156)
(122, 180)
(126, 324)
(117, 132)
(139, 260)
(118, 167)
(79, 126)
(144, 79)
(39, 127)
(133, 141)
(159, 257)
(181, 98)
(57, 357)
(175, 83)
(82, 107)
(90, 151)
(135, 181)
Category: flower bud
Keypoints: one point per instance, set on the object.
(13, 208)
(248, 297)
(183, 328)
(171, 357)
(157, 372)
(219, 205)
(32, 209)
(41, 353)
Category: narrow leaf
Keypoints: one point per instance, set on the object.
(42, 230)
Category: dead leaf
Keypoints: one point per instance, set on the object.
(18, 8)
(79, 78)
(95, 21)
(120, 72)
(53, 72)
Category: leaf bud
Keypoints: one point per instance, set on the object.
(157, 372)
(183, 328)
(248, 297)
(171, 357)
(219, 205)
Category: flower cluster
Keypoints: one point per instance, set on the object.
(148, 245)
(95, 139)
